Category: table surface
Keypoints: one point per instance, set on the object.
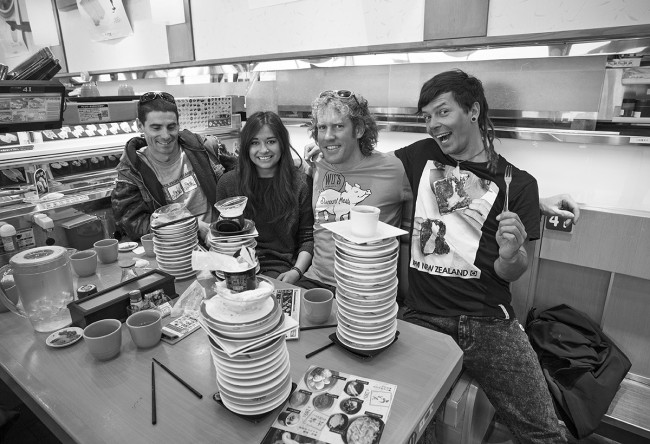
(84, 400)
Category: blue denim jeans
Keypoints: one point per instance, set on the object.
(498, 355)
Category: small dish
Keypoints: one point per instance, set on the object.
(64, 337)
(248, 226)
(127, 246)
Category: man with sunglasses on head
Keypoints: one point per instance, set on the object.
(349, 173)
(166, 166)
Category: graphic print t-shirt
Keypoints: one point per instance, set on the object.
(453, 242)
(179, 182)
(378, 180)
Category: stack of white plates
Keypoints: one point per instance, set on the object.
(259, 380)
(366, 277)
(173, 246)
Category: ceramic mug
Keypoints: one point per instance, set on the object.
(318, 304)
(104, 338)
(145, 327)
(106, 250)
(364, 220)
(147, 244)
(84, 263)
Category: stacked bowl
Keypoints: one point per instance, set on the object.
(230, 242)
(366, 277)
(257, 380)
(173, 245)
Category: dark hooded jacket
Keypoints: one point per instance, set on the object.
(138, 192)
(582, 366)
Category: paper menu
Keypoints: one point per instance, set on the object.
(333, 408)
(289, 300)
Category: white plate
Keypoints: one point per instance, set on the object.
(251, 369)
(380, 283)
(366, 261)
(259, 380)
(353, 305)
(64, 337)
(369, 339)
(368, 322)
(255, 402)
(362, 277)
(344, 228)
(369, 295)
(236, 390)
(262, 407)
(357, 345)
(127, 246)
(361, 267)
(378, 253)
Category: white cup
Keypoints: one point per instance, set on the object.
(364, 220)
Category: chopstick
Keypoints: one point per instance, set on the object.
(315, 352)
(178, 378)
(316, 327)
(153, 395)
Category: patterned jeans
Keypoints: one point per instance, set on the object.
(498, 355)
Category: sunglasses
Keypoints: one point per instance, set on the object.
(343, 93)
(148, 97)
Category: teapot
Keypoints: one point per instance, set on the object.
(43, 284)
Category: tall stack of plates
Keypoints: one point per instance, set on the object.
(366, 277)
(173, 245)
(258, 380)
(231, 242)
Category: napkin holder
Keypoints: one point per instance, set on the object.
(112, 302)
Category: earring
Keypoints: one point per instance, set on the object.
(474, 119)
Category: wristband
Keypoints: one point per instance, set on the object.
(298, 270)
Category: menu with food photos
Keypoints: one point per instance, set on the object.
(331, 407)
(289, 299)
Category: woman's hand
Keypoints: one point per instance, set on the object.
(290, 277)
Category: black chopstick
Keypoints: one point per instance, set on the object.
(189, 387)
(153, 395)
(316, 327)
(309, 355)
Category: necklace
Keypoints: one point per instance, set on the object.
(458, 162)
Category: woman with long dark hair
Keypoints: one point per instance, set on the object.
(279, 197)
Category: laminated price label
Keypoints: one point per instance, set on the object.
(558, 223)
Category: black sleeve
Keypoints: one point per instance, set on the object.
(130, 211)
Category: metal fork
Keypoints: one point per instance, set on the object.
(508, 179)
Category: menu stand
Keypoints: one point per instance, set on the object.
(254, 418)
(362, 354)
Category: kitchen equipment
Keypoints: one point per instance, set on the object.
(43, 281)
(83, 231)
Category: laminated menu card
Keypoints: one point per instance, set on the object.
(330, 407)
(289, 299)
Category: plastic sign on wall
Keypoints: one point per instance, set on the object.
(557, 223)
(106, 19)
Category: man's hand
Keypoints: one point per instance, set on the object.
(561, 205)
(312, 152)
(510, 235)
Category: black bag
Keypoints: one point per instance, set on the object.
(582, 366)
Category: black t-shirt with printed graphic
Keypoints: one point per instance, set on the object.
(453, 246)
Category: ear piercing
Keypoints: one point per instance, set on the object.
(474, 118)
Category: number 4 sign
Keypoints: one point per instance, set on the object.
(558, 223)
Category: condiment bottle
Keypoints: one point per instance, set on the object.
(8, 235)
(128, 269)
(136, 300)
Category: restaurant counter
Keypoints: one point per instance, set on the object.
(87, 401)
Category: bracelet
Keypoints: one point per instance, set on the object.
(298, 270)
